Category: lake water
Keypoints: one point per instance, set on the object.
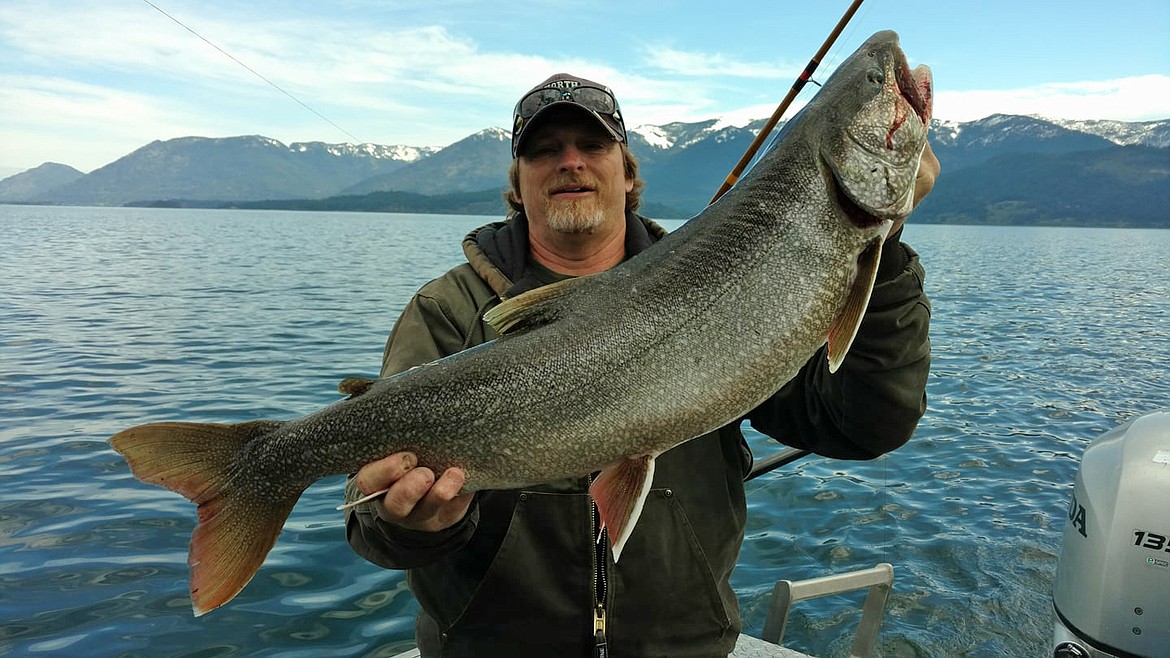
(1043, 339)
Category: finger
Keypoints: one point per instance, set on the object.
(931, 159)
(454, 511)
(444, 489)
(449, 484)
(404, 495)
(928, 168)
(381, 474)
(443, 506)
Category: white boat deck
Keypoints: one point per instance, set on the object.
(751, 647)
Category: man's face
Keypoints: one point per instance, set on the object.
(572, 174)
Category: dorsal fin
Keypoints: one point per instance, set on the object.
(354, 386)
(530, 310)
(844, 328)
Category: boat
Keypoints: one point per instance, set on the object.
(1111, 596)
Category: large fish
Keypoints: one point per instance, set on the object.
(606, 372)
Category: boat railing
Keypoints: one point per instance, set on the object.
(878, 579)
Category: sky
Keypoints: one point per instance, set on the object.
(86, 82)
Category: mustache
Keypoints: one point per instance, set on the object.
(568, 182)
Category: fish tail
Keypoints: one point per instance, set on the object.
(237, 525)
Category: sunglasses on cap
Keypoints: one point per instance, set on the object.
(591, 98)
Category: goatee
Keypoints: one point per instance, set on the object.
(576, 216)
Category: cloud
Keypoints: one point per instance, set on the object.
(327, 57)
(1139, 98)
(59, 120)
(79, 39)
(417, 85)
(717, 65)
(97, 80)
(64, 103)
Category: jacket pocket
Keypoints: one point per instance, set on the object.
(541, 571)
(667, 597)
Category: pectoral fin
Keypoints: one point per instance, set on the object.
(620, 492)
(844, 329)
(531, 309)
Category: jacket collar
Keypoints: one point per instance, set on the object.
(498, 252)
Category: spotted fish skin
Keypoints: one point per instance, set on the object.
(605, 372)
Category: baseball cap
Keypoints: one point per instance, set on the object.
(563, 89)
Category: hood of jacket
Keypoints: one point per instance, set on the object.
(498, 252)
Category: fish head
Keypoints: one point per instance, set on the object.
(876, 114)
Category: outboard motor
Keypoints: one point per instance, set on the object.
(1112, 591)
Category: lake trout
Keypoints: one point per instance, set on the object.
(606, 372)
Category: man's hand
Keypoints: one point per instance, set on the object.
(415, 499)
(927, 172)
(928, 169)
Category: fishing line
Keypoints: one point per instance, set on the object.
(797, 86)
(252, 71)
(883, 506)
(847, 37)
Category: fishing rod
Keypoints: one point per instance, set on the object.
(787, 455)
(773, 462)
(780, 109)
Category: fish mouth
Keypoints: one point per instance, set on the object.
(916, 91)
(917, 87)
(911, 93)
(874, 165)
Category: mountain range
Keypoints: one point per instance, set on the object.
(1003, 169)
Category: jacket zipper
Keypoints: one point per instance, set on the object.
(600, 548)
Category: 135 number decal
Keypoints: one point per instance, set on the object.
(1151, 540)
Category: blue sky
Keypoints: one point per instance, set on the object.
(86, 82)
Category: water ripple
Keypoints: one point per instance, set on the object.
(114, 317)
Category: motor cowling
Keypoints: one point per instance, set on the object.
(1112, 589)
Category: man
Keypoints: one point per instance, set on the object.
(521, 573)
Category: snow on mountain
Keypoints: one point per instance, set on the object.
(397, 152)
(1004, 127)
(681, 135)
(655, 136)
(678, 154)
(497, 133)
(947, 130)
(1122, 133)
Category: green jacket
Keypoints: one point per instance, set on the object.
(523, 574)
